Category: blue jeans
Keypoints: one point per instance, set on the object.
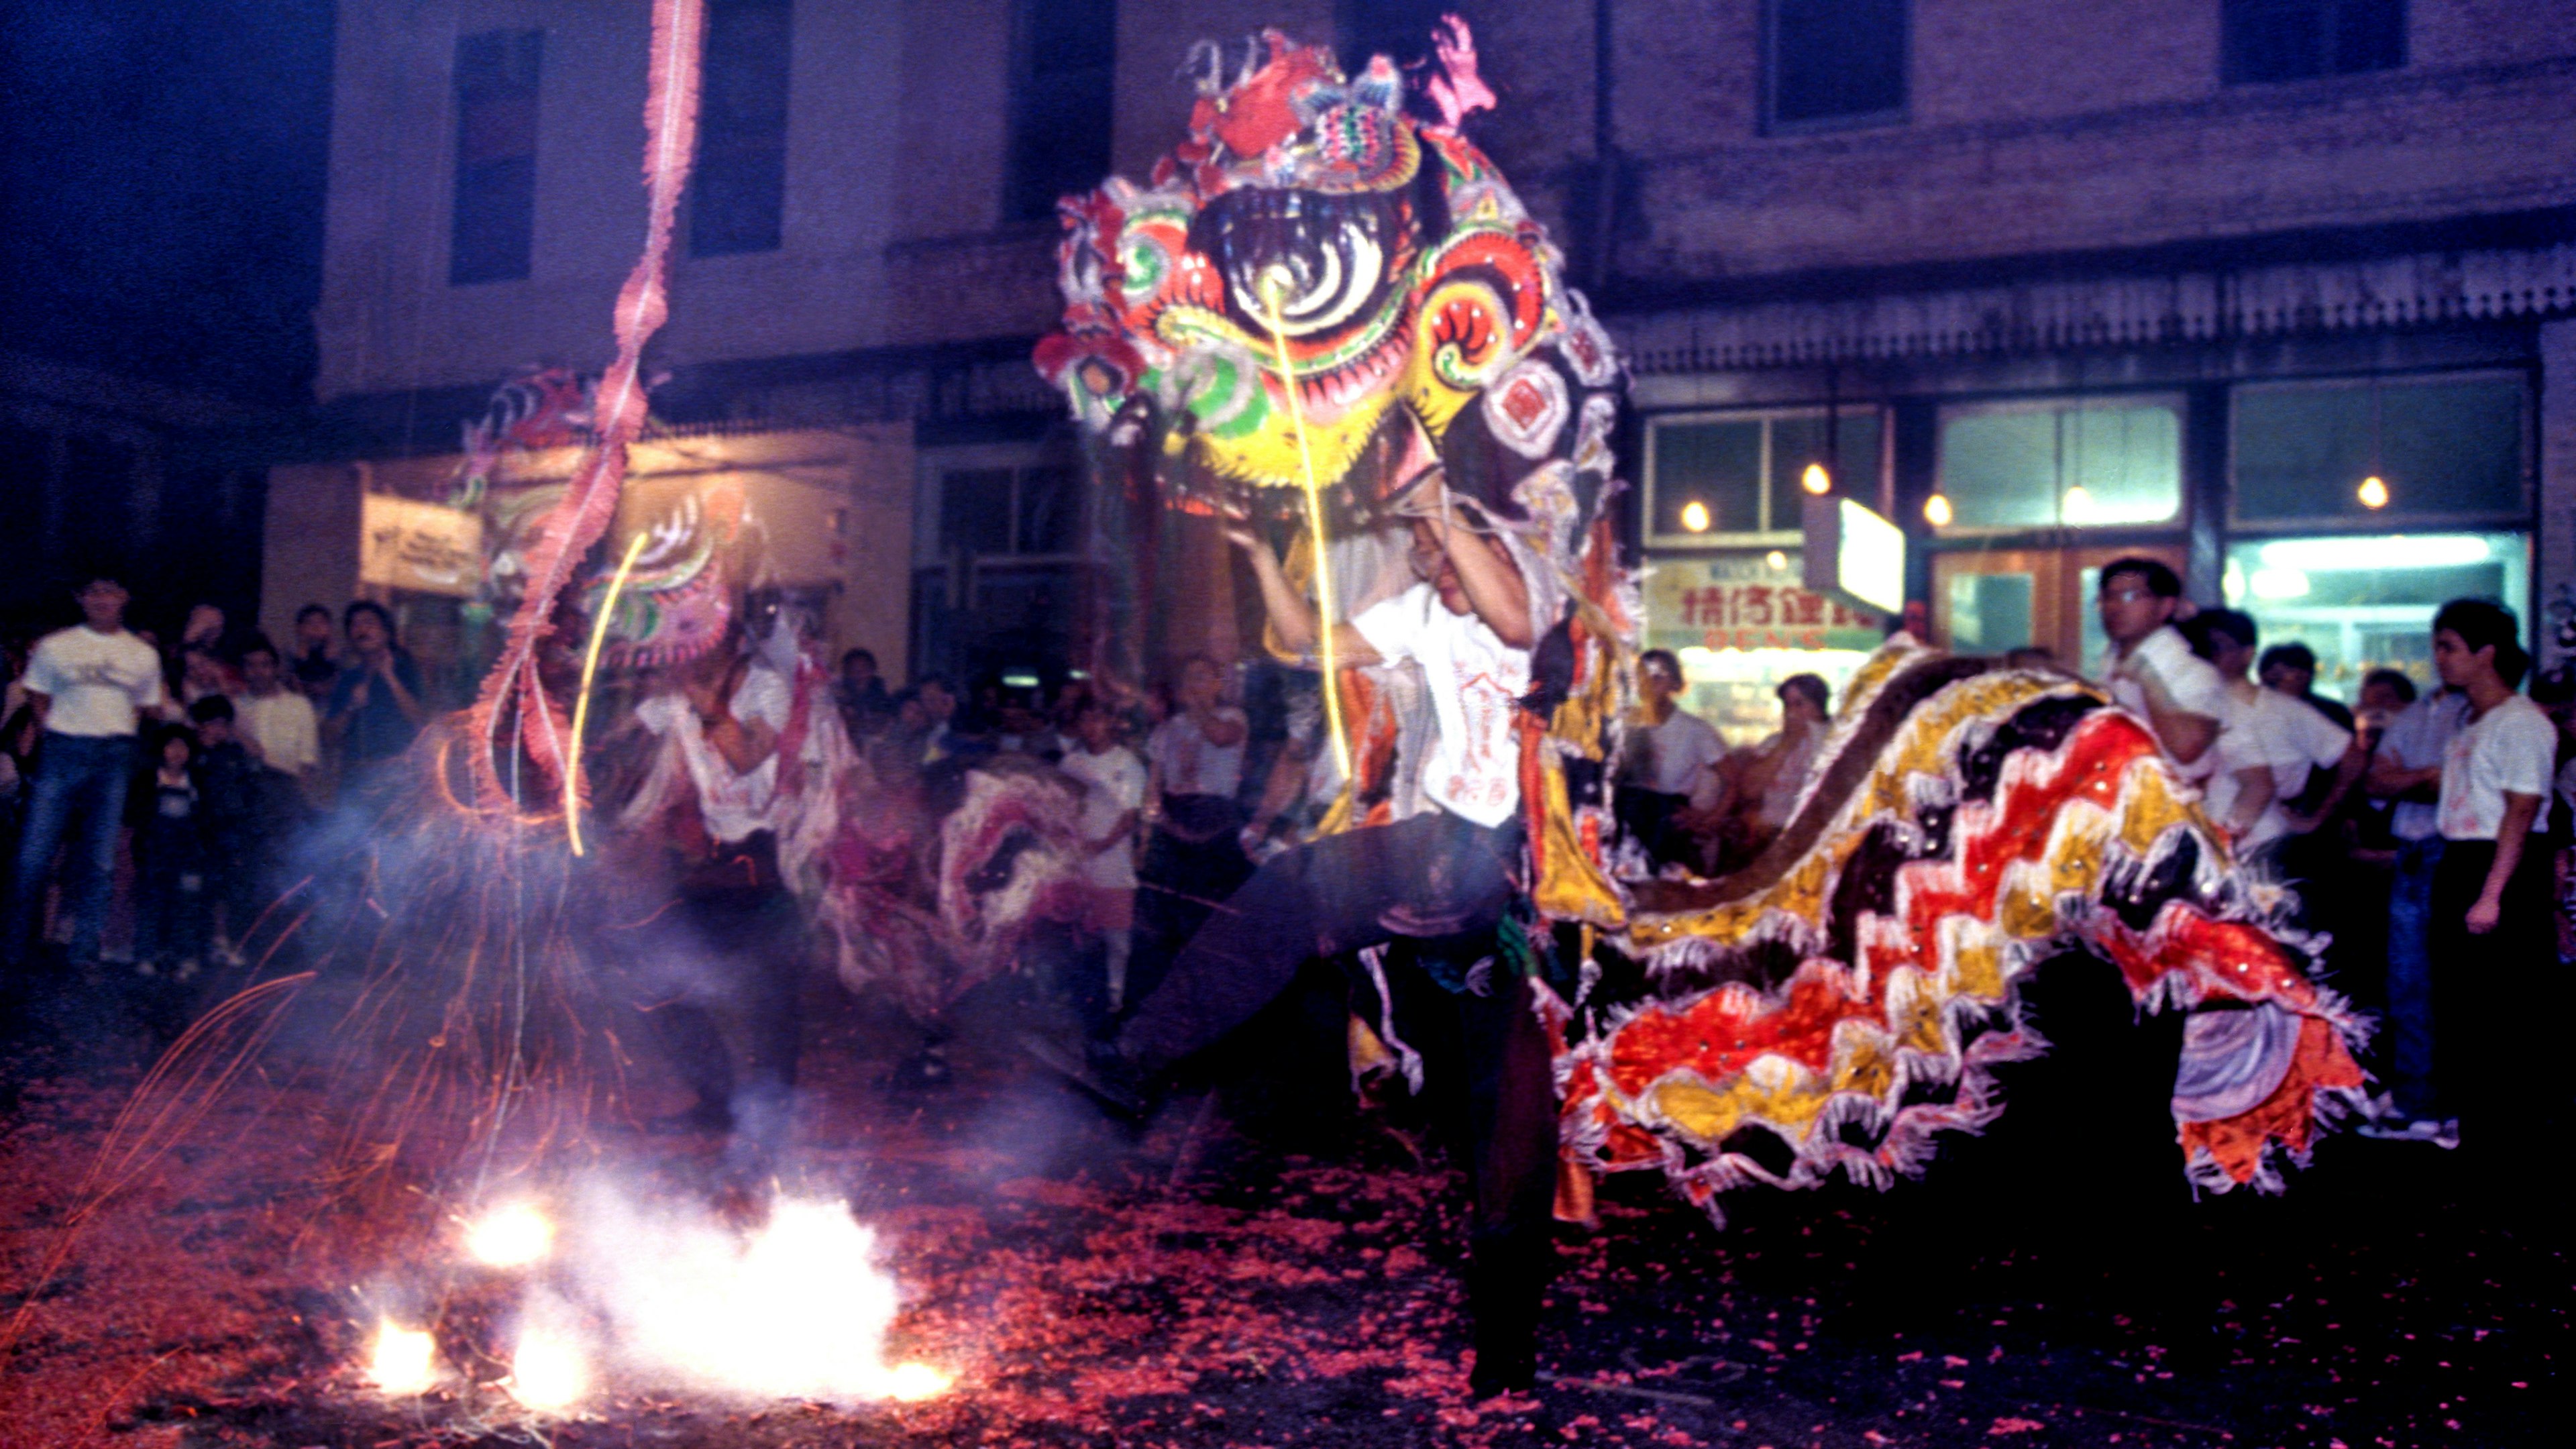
(79, 778)
(2410, 977)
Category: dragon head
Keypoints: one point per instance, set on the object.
(1314, 232)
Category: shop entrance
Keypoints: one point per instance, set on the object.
(1993, 600)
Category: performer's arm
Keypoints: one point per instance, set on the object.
(2185, 735)
(2255, 788)
(1494, 586)
(2390, 779)
(2511, 836)
(1288, 612)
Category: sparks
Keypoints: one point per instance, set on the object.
(590, 670)
(404, 1362)
(908, 1383)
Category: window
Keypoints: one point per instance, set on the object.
(2062, 464)
(494, 217)
(2446, 447)
(1733, 478)
(1024, 511)
(1060, 121)
(2282, 40)
(1834, 62)
(739, 189)
(1400, 30)
(2365, 602)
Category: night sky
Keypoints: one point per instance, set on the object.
(162, 167)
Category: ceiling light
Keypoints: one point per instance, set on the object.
(1695, 516)
(1816, 480)
(2374, 493)
(1936, 511)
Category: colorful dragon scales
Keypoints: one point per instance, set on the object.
(1843, 997)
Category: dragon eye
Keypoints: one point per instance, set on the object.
(1313, 263)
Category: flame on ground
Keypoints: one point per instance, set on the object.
(550, 1369)
(404, 1361)
(794, 1308)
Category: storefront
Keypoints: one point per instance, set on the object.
(2339, 491)
(1724, 492)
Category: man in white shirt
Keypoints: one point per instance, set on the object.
(2152, 673)
(2268, 742)
(2494, 951)
(276, 722)
(90, 685)
(1448, 872)
(2407, 769)
(1668, 764)
(729, 962)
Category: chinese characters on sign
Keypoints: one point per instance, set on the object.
(1728, 603)
(406, 544)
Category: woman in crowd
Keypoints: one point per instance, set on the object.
(1764, 782)
(376, 709)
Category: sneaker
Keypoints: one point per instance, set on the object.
(2445, 1134)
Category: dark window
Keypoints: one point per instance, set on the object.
(1835, 61)
(1067, 52)
(1400, 30)
(496, 155)
(1021, 511)
(2280, 40)
(1709, 477)
(2446, 448)
(740, 189)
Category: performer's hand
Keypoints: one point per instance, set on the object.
(1240, 533)
(2484, 916)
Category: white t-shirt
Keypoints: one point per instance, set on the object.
(99, 683)
(1672, 758)
(2190, 681)
(2416, 740)
(733, 805)
(1476, 681)
(1189, 764)
(2271, 729)
(1113, 783)
(283, 727)
(2511, 748)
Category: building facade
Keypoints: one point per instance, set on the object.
(2044, 283)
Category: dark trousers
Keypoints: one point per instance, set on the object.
(1648, 816)
(2410, 978)
(1434, 876)
(721, 975)
(172, 912)
(79, 787)
(2495, 997)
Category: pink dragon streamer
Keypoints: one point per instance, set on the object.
(566, 537)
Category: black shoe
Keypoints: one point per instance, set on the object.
(1099, 1069)
(1503, 1373)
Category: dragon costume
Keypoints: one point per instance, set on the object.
(1327, 289)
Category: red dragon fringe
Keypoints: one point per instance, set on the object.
(590, 504)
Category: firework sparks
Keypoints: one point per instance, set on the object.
(403, 1361)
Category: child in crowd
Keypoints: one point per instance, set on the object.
(170, 851)
(1113, 799)
(231, 796)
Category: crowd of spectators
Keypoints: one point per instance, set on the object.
(2424, 832)
(181, 767)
